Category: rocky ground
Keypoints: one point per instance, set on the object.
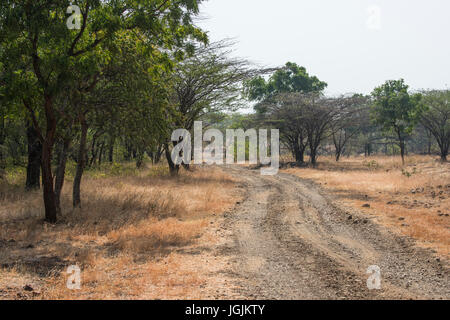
(289, 240)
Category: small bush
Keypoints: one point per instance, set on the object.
(408, 174)
(373, 165)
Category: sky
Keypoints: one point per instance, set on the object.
(353, 45)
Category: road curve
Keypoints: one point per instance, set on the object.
(291, 242)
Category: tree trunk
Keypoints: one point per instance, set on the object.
(402, 151)
(157, 155)
(430, 142)
(139, 159)
(61, 172)
(111, 150)
(93, 151)
(80, 165)
(34, 159)
(128, 151)
(2, 141)
(173, 168)
(47, 180)
(300, 157)
(444, 150)
(338, 148)
(102, 147)
(46, 163)
(401, 141)
(299, 154)
(313, 157)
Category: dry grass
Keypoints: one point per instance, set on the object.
(128, 239)
(413, 200)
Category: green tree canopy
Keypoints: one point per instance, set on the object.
(396, 110)
(436, 119)
(289, 79)
(41, 56)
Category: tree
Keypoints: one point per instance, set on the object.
(319, 115)
(288, 79)
(270, 97)
(437, 119)
(2, 140)
(130, 99)
(34, 159)
(41, 56)
(396, 110)
(370, 133)
(291, 78)
(307, 116)
(287, 115)
(13, 139)
(348, 122)
(3, 114)
(207, 83)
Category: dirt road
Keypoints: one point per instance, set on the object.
(291, 242)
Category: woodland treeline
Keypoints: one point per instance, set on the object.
(112, 90)
(392, 120)
(116, 88)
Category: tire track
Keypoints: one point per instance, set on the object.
(292, 242)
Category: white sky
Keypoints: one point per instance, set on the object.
(344, 42)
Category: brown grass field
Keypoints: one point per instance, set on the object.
(413, 200)
(145, 235)
(137, 236)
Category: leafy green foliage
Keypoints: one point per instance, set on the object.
(395, 109)
(436, 119)
(52, 70)
(289, 79)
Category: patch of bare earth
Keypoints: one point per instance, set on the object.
(292, 241)
(144, 236)
(413, 200)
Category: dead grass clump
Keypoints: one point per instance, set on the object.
(156, 235)
(15, 203)
(124, 238)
